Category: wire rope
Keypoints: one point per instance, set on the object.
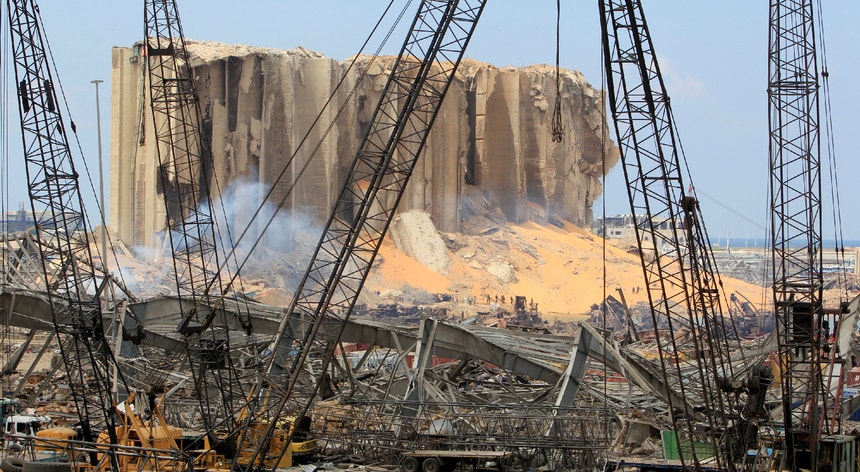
(604, 137)
(4, 177)
(557, 125)
(253, 219)
(830, 149)
(85, 218)
(316, 148)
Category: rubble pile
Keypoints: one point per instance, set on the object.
(559, 267)
(749, 320)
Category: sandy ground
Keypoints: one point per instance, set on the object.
(560, 269)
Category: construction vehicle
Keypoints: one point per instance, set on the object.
(195, 236)
(681, 281)
(363, 211)
(145, 427)
(811, 364)
(68, 272)
(437, 460)
(21, 426)
(147, 442)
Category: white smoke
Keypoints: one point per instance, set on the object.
(253, 238)
(148, 273)
(276, 244)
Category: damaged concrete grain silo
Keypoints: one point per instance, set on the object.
(493, 132)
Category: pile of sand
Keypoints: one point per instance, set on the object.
(565, 270)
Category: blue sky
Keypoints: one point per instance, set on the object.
(713, 57)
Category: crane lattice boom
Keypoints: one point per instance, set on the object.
(67, 263)
(365, 207)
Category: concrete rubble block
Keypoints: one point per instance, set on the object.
(503, 271)
(414, 234)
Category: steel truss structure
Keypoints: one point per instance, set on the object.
(184, 157)
(804, 327)
(75, 289)
(183, 149)
(680, 272)
(364, 209)
(563, 438)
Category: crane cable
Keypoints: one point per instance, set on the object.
(557, 125)
(830, 144)
(604, 132)
(4, 145)
(4, 155)
(270, 219)
(118, 277)
(288, 165)
(118, 376)
(4, 177)
(841, 275)
(723, 297)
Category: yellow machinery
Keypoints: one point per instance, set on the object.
(149, 444)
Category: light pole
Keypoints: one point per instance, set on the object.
(102, 214)
(101, 176)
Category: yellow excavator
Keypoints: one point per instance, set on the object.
(147, 442)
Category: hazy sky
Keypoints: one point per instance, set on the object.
(713, 57)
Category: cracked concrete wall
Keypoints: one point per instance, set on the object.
(493, 132)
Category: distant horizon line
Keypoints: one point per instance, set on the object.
(765, 242)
